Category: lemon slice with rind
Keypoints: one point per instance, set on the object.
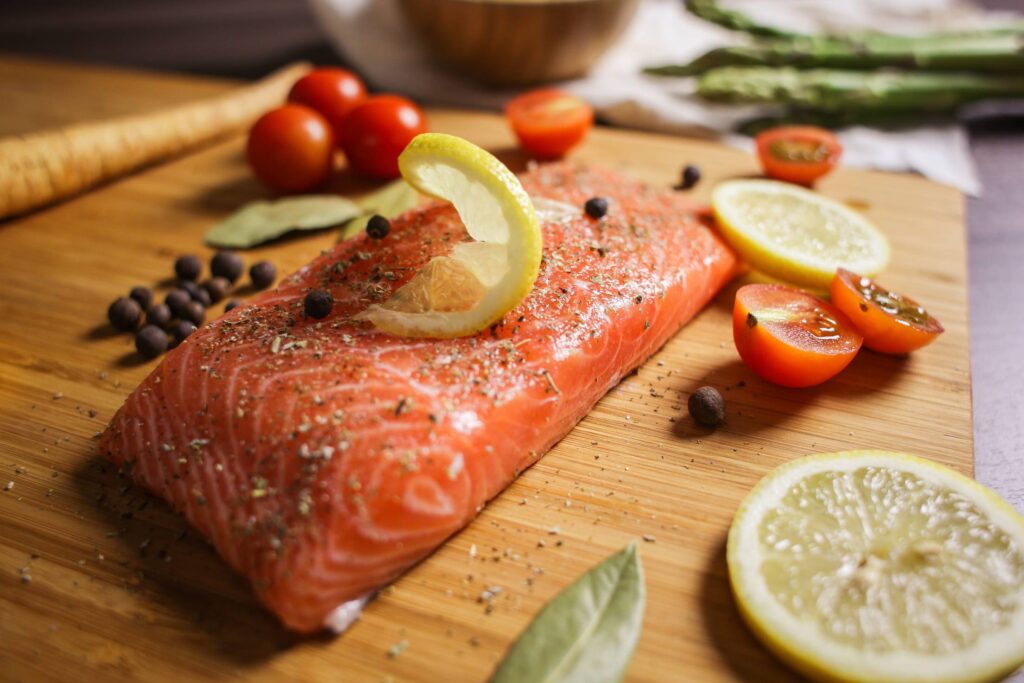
(881, 567)
(796, 235)
(471, 288)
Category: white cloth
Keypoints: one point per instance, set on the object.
(374, 37)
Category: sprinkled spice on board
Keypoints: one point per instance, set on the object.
(188, 267)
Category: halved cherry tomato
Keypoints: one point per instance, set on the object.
(798, 154)
(789, 337)
(331, 91)
(291, 148)
(549, 122)
(890, 322)
(377, 131)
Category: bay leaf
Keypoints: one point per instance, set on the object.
(587, 633)
(389, 201)
(262, 221)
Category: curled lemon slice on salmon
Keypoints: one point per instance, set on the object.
(481, 280)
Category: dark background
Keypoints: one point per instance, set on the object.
(247, 38)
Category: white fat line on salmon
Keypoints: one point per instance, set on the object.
(553, 211)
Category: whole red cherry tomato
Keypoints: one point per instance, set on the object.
(548, 123)
(331, 91)
(377, 131)
(291, 148)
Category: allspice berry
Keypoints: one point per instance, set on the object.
(124, 313)
(707, 407)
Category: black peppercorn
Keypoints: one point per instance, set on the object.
(318, 303)
(151, 341)
(192, 288)
(176, 300)
(180, 331)
(234, 303)
(262, 274)
(203, 297)
(124, 313)
(143, 296)
(707, 406)
(596, 207)
(689, 178)
(378, 227)
(159, 315)
(194, 312)
(228, 265)
(217, 288)
(188, 267)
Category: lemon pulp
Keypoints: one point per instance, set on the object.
(471, 288)
(870, 566)
(797, 235)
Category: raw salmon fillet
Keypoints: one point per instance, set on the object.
(323, 458)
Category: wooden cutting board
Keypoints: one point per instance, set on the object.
(102, 582)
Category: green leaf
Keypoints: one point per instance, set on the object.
(587, 633)
(262, 221)
(389, 201)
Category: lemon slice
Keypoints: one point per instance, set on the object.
(875, 566)
(481, 280)
(796, 235)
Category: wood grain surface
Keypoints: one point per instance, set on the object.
(99, 581)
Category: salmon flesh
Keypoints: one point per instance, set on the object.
(323, 458)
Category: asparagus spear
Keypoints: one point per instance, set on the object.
(709, 10)
(834, 90)
(737, 21)
(1003, 53)
(874, 118)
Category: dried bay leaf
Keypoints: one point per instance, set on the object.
(587, 633)
(389, 201)
(262, 221)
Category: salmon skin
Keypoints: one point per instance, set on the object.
(323, 458)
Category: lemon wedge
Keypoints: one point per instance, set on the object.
(796, 235)
(881, 567)
(481, 280)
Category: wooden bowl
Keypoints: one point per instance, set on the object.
(519, 42)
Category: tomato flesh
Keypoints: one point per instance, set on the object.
(548, 123)
(798, 154)
(331, 91)
(791, 338)
(376, 132)
(890, 322)
(291, 148)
